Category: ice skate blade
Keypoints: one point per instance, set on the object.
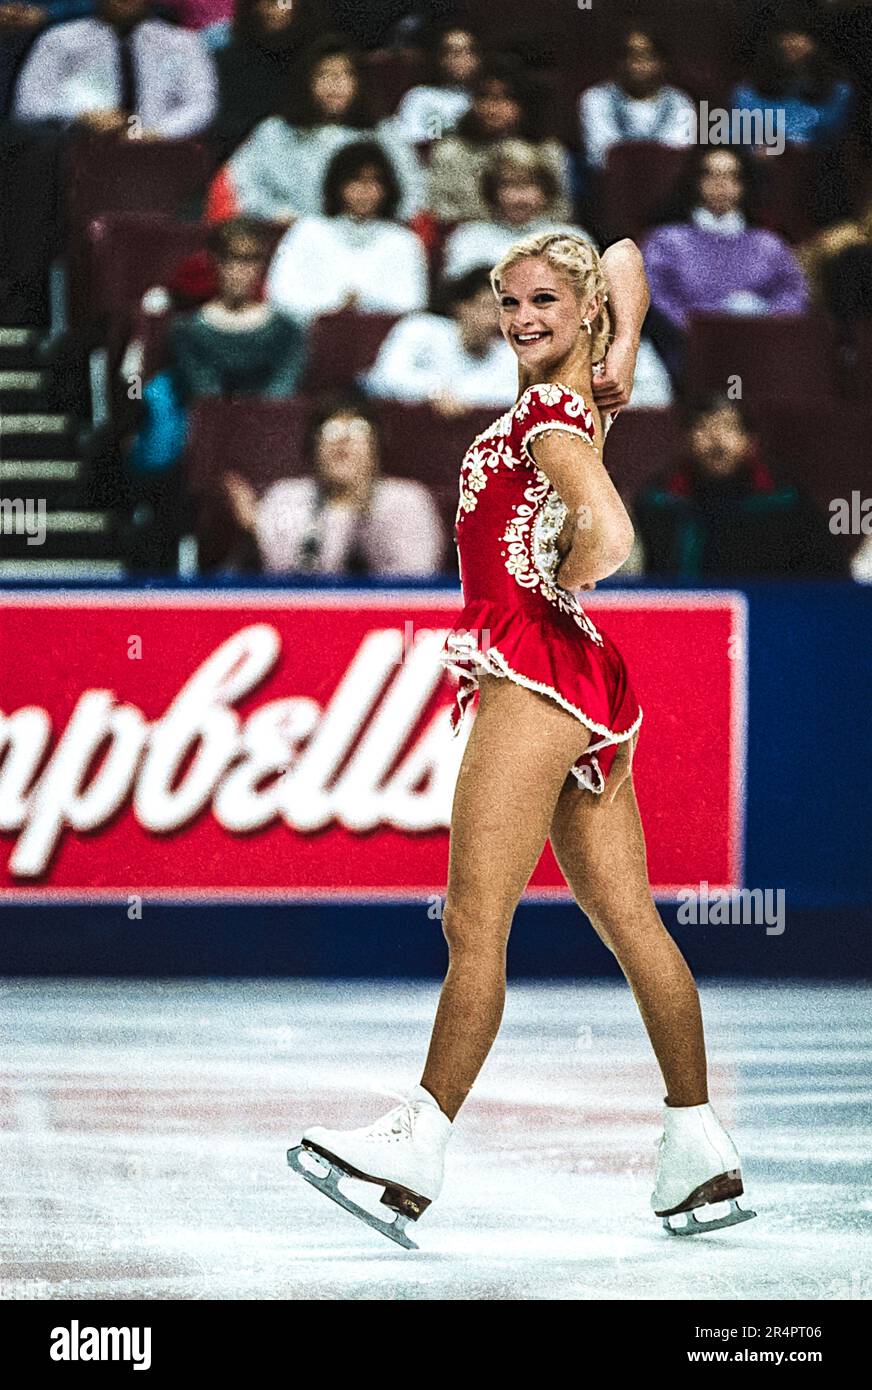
(328, 1183)
(694, 1227)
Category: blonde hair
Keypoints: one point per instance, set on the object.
(579, 262)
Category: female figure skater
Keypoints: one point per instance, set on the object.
(550, 752)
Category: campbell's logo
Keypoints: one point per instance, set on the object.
(290, 760)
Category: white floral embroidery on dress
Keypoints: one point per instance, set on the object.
(533, 557)
(473, 477)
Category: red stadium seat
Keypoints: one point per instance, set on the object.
(419, 443)
(389, 74)
(639, 175)
(135, 176)
(641, 444)
(342, 345)
(788, 357)
(785, 197)
(262, 440)
(822, 445)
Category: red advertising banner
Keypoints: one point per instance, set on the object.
(295, 745)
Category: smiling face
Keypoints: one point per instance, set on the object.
(540, 314)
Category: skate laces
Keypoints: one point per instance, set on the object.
(398, 1121)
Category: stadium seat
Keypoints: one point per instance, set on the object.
(419, 443)
(169, 176)
(791, 357)
(639, 176)
(343, 344)
(785, 198)
(822, 445)
(388, 75)
(262, 440)
(641, 444)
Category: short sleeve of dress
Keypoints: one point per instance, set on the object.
(550, 406)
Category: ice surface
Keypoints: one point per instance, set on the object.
(145, 1124)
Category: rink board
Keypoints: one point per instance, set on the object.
(243, 745)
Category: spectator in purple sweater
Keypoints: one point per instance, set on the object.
(708, 259)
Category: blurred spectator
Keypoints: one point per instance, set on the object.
(637, 104)
(233, 345)
(712, 260)
(502, 109)
(721, 513)
(346, 519)
(838, 266)
(237, 345)
(102, 72)
(278, 174)
(356, 256)
(257, 67)
(431, 110)
(19, 25)
(451, 363)
(794, 77)
(520, 189)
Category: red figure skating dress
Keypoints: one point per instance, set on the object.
(518, 621)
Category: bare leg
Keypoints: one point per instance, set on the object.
(519, 751)
(600, 846)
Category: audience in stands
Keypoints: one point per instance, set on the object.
(259, 65)
(346, 518)
(520, 191)
(721, 514)
(355, 256)
(431, 110)
(636, 104)
(710, 260)
(503, 108)
(121, 72)
(453, 363)
(795, 79)
(236, 344)
(233, 345)
(278, 174)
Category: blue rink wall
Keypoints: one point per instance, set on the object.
(808, 834)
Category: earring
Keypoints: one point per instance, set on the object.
(587, 325)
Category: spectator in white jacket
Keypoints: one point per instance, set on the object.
(120, 72)
(451, 363)
(356, 256)
(431, 110)
(638, 104)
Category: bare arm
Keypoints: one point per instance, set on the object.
(600, 529)
(628, 301)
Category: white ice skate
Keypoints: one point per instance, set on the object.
(697, 1166)
(404, 1152)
